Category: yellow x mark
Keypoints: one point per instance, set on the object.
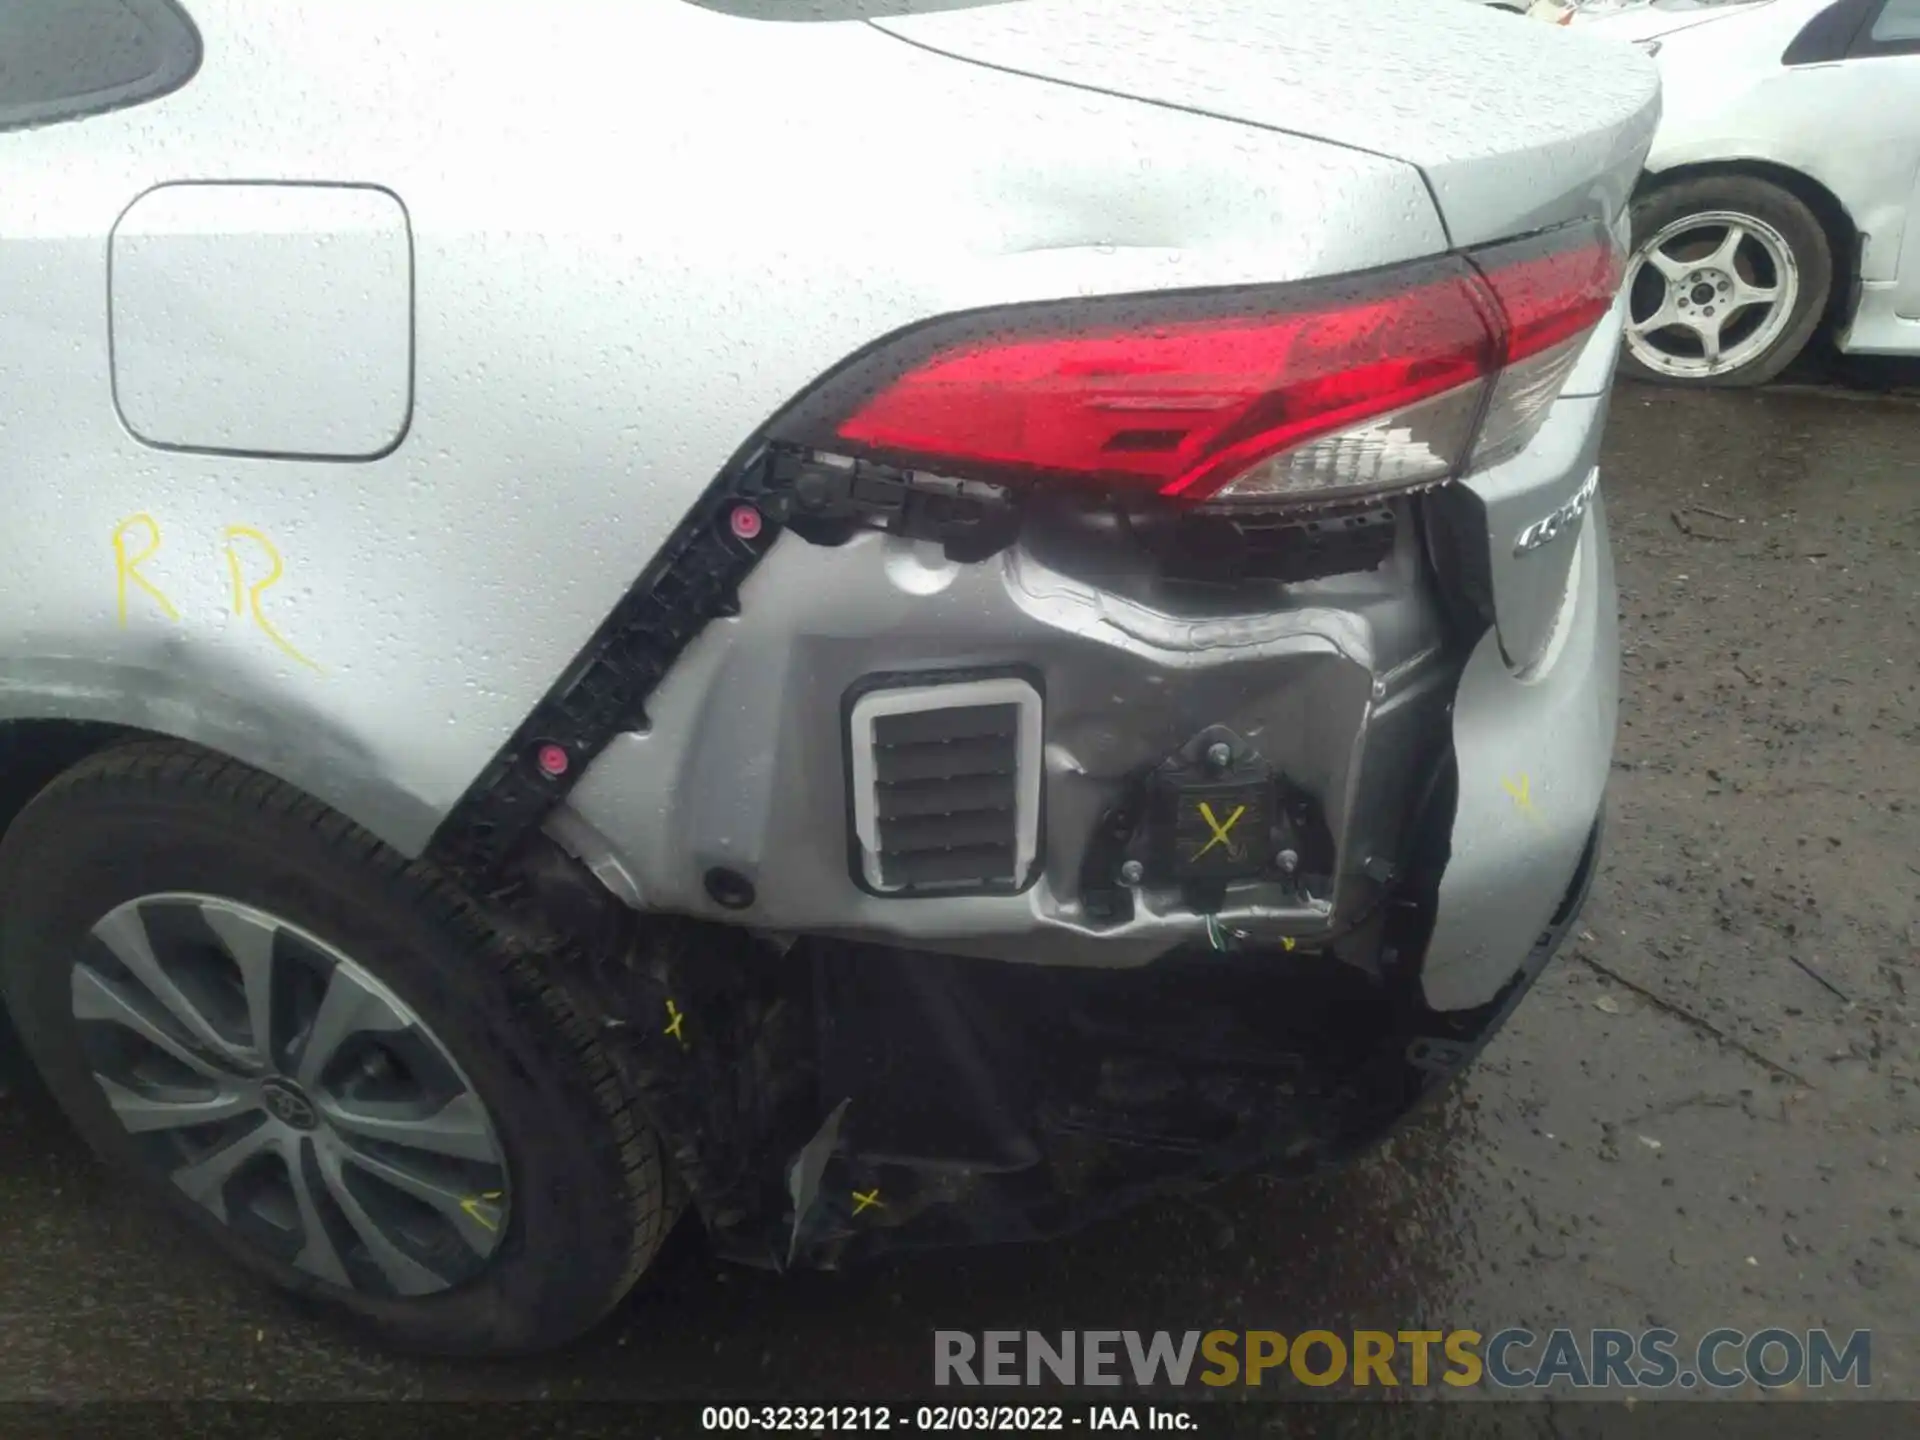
(473, 1206)
(871, 1199)
(1221, 828)
(1522, 794)
(674, 1020)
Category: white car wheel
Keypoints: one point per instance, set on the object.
(1727, 281)
(1726, 289)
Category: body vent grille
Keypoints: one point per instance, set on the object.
(946, 786)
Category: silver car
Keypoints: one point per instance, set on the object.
(895, 622)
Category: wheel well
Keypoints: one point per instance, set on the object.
(1842, 234)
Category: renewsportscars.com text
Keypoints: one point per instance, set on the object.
(1508, 1359)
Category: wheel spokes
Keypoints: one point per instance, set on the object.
(125, 934)
(1726, 254)
(457, 1130)
(205, 1180)
(1745, 294)
(97, 998)
(347, 1008)
(1667, 314)
(317, 1255)
(406, 1275)
(473, 1215)
(144, 1114)
(1669, 268)
(248, 940)
(1707, 327)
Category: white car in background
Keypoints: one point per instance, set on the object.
(1783, 188)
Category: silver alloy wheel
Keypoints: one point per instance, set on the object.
(286, 1090)
(1709, 293)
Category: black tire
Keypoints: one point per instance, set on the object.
(589, 1203)
(1806, 239)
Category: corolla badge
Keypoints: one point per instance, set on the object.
(1560, 521)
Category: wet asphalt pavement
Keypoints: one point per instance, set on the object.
(1707, 1114)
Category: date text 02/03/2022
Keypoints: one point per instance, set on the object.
(939, 1419)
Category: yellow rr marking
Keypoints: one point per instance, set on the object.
(246, 598)
(126, 567)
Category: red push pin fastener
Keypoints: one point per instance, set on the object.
(553, 761)
(746, 522)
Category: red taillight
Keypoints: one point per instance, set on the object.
(1363, 385)
(1553, 296)
(1185, 405)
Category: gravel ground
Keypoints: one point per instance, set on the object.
(1707, 1114)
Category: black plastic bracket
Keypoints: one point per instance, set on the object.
(694, 579)
(823, 497)
(1215, 793)
(1227, 546)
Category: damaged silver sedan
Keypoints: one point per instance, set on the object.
(888, 626)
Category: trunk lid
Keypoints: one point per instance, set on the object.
(1515, 126)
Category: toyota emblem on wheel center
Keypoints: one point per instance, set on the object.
(287, 1105)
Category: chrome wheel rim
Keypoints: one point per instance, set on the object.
(1709, 294)
(288, 1093)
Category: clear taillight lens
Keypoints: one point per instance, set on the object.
(1521, 398)
(1365, 385)
(1416, 445)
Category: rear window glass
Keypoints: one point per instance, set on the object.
(836, 9)
(60, 59)
(1898, 20)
